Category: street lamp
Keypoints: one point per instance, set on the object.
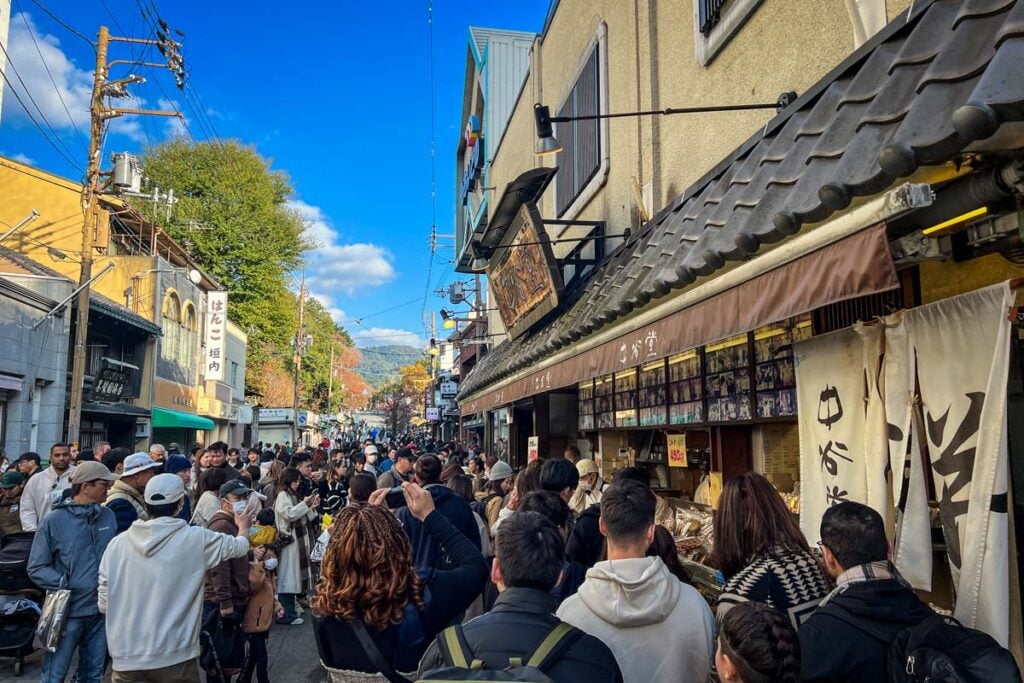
(547, 144)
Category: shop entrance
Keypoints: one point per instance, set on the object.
(522, 430)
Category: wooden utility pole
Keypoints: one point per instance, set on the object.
(299, 342)
(99, 115)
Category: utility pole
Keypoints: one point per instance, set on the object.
(330, 376)
(99, 115)
(299, 341)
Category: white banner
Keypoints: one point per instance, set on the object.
(962, 347)
(830, 390)
(216, 333)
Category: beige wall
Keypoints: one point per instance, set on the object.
(651, 64)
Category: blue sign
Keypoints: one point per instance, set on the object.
(474, 169)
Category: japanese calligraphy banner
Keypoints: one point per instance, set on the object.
(216, 332)
(962, 348)
(830, 394)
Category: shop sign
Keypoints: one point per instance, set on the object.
(474, 165)
(526, 280)
(428, 397)
(112, 381)
(677, 450)
(175, 396)
(532, 448)
(449, 389)
(432, 414)
(275, 415)
(216, 333)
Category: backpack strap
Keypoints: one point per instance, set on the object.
(455, 649)
(374, 653)
(860, 624)
(558, 640)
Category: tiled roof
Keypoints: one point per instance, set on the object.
(97, 301)
(946, 79)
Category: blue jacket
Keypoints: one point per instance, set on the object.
(66, 552)
(426, 551)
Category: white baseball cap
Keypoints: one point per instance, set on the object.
(164, 488)
(138, 462)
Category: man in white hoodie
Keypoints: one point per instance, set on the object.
(151, 587)
(631, 601)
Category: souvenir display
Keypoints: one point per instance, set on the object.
(686, 405)
(653, 395)
(586, 406)
(626, 399)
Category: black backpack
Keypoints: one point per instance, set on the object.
(480, 506)
(939, 650)
(461, 665)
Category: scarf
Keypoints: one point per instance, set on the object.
(301, 531)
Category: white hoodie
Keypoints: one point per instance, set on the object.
(658, 628)
(151, 589)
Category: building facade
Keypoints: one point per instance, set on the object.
(664, 278)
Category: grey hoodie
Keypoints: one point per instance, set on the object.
(658, 628)
(151, 589)
(66, 551)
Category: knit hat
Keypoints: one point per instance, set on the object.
(176, 463)
(501, 470)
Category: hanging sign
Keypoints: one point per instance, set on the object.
(216, 332)
(449, 389)
(433, 414)
(525, 279)
(677, 450)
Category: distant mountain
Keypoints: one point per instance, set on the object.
(381, 363)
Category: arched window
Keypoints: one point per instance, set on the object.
(170, 325)
(189, 336)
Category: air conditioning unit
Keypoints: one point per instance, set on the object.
(142, 430)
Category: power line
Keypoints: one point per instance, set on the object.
(64, 24)
(388, 310)
(32, 99)
(71, 119)
(32, 118)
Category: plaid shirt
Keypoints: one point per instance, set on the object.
(873, 571)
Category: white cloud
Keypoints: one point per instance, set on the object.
(21, 158)
(73, 84)
(382, 336)
(339, 268)
(174, 127)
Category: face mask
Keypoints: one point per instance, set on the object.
(270, 564)
(239, 506)
(371, 459)
(586, 486)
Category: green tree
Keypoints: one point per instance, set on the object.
(232, 216)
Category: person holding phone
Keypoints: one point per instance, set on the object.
(293, 515)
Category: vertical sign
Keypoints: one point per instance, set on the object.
(216, 331)
(677, 450)
(532, 448)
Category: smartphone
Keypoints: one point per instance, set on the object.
(395, 497)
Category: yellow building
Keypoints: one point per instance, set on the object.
(150, 276)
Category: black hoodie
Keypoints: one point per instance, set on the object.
(833, 650)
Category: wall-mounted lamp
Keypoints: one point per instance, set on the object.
(547, 144)
(433, 350)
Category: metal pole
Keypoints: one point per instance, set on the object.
(89, 194)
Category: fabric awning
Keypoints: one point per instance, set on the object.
(855, 266)
(174, 419)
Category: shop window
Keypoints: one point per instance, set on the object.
(715, 22)
(170, 325)
(583, 161)
(189, 336)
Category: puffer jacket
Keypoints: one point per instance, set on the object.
(67, 550)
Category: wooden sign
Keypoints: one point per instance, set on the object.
(524, 276)
(677, 450)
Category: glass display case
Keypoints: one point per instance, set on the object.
(774, 372)
(727, 380)
(586, 406)
(626, 399)
(685, 391)
(653, 395)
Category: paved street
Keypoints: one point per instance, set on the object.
(293, 658)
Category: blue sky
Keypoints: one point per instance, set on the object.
(336, 93)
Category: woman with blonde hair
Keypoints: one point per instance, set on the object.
(370, 592)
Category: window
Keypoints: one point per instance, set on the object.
(583, 162)
(715, 22)
(188, 336)
(170, 325)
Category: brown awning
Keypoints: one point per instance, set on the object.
(855, 266)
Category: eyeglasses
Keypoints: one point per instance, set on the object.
(821, 546)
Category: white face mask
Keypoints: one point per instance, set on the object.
(239, 507)
(371, 458)
(270, 564)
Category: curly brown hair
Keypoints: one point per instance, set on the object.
(367, 570)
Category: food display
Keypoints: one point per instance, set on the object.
(694, 532)
(792, 500)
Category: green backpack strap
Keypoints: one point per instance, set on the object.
(455, 650)
(557, 641)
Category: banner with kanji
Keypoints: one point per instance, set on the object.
(831, 397)
(962, 348)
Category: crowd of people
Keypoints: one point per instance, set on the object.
(426, 560)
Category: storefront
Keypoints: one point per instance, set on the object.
(174, 418)
(274, 426)
(691, 350)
